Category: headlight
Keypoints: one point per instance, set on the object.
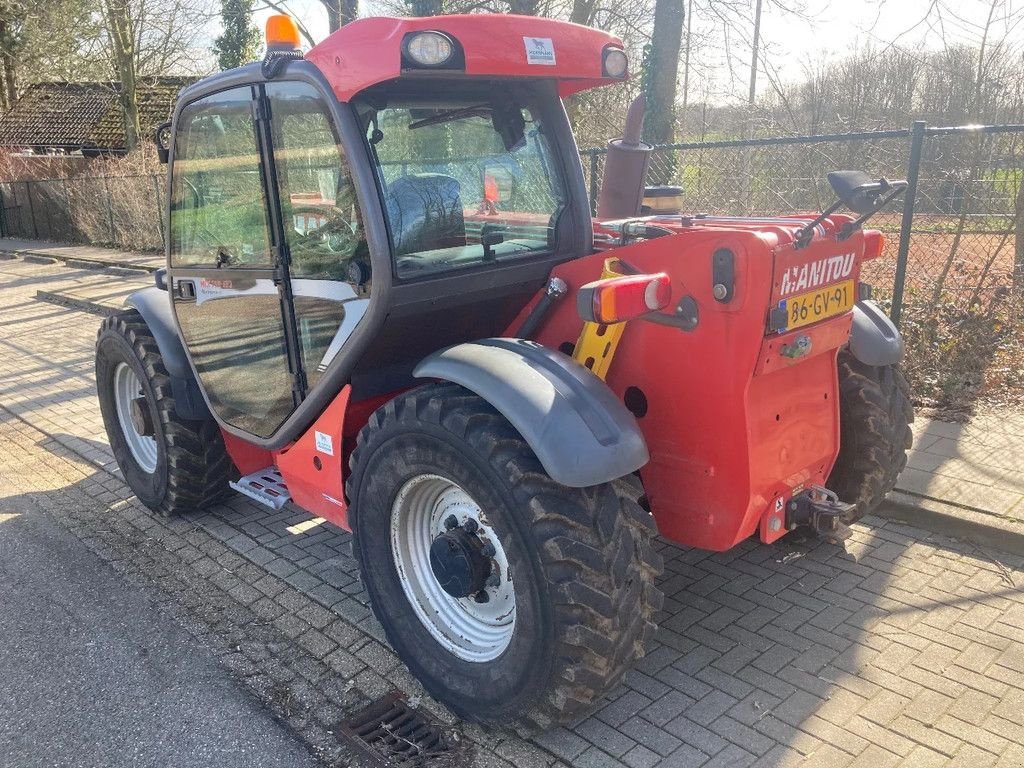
(615, 62)
(429, 49)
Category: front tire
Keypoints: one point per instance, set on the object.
(173, 465)
(875, 414)
(569, 572)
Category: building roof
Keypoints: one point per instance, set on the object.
(86, 116)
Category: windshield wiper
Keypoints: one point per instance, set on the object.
(478, 110)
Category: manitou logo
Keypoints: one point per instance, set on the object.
(827, 270)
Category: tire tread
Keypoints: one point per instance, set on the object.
(595, 544)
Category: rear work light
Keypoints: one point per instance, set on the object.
(429, 49)
(617, 299)
(874, 244)
(615, 63)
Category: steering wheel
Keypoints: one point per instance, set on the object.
(338, 234)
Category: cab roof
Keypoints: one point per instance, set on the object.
(369, 51)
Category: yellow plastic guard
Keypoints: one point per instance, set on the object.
(597, 343)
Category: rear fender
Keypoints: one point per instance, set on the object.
(874, 340)
(155, 307)
(581, 432)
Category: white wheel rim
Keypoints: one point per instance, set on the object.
(126, 389)
(473, 631)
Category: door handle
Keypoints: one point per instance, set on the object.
(187, 289)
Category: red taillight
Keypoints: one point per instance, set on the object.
(617, 299)
(874, 244)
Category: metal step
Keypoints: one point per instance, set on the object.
(266, 486)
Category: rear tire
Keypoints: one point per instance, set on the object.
(581, 561)
(183, 465)
(875, 414)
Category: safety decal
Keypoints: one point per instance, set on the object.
(324, 443)
(780, 503)
(539, 50)
(801, 347)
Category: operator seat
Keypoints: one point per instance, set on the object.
(425, 211)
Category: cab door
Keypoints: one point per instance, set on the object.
(267, 263)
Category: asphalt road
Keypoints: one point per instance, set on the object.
(91, 674)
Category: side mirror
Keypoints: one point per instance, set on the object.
(859, 192)
(161, 137)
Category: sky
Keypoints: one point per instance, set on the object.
(828, 28)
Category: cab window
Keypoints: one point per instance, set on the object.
(218, 208)
(329, 259)
(321, 217)
(468, 178)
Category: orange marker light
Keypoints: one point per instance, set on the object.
(874, 244)
(282, 33)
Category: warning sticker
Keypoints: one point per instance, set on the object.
(539, 50)
(324, 443)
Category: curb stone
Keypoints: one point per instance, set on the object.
(954, 520)
(76, 261)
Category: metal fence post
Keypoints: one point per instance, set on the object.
(31, 210)
(67, 202)
(3, 214)
(593, 181)
(159, 209)
(110, 209)
(917, 136)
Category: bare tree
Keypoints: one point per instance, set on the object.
(661, 72)
(523, 7)
(340, 12)
(12, 19)
(120, 28)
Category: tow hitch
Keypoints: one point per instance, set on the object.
(821, 509)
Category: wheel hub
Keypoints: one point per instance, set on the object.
(135, 418)
(458, 562)
(453, 568)
(141, 418)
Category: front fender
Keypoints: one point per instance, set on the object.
(581, 432)
(155, 307)
(874, 340)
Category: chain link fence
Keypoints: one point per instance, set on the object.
(952, 271)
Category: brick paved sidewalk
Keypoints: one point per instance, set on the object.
(975, 466)
(906, 650)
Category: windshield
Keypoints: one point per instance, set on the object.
(465, 183)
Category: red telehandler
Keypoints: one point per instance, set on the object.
(387, 302)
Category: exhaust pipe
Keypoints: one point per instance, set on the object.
(625, 168)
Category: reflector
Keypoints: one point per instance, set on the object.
(617, 299)
(874, 244)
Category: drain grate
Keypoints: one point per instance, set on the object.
(391, 734)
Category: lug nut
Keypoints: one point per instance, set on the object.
(451, 522)
(470, 525)
(482, 597)
(488, 550)
(494, 580)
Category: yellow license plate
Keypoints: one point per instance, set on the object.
(817, 305)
